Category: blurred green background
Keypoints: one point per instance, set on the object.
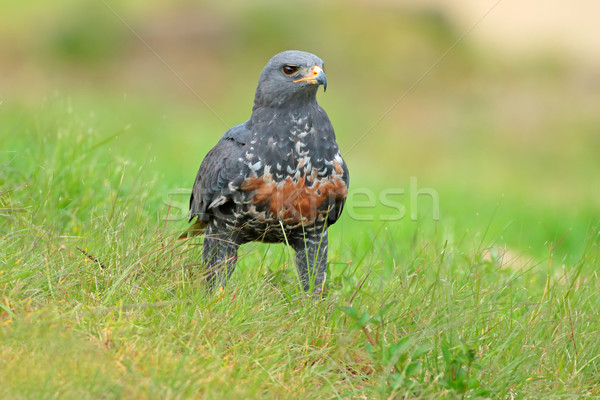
(506, 131)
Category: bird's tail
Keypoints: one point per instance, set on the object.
(196, 229)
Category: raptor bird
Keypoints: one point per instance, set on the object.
(277, 178)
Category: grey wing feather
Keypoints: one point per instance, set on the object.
(219, 168)
(338, 207)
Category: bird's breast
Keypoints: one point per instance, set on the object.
(302, 192)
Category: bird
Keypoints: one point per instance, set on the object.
(279, 177)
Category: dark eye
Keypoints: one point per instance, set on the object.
(289, 69)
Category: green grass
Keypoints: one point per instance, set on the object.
(416, 309)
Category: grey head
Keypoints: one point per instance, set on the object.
(290, 77)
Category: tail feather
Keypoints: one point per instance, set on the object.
(196, 229)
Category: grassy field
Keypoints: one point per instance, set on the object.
(464, 266)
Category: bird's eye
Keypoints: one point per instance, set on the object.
(289, 69)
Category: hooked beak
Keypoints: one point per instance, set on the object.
(318, 77)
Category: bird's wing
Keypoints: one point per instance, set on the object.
(218, 174)
(338, 205)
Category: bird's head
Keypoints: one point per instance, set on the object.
(290, 76)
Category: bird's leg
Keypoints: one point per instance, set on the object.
(219, 255)
(311, 260)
